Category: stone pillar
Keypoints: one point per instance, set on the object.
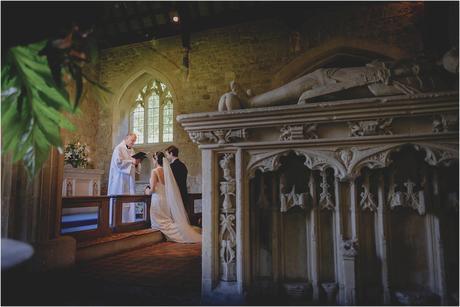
(350, 249)
(437, 266)
(338, 235)
(242, 223)
(381, 239)
(210, 210)
(227, 219)
(349, 253)
(223, 241)
(354, 210)
(313, 250)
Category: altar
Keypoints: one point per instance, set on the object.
(81, 182)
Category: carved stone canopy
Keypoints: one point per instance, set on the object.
(348, 162)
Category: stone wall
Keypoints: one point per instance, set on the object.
(86, 120)
(251, 53)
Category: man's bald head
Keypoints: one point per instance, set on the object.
(130, 139)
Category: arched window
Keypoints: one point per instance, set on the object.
(152, 116)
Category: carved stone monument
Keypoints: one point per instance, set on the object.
(365, 187)
(381, 78)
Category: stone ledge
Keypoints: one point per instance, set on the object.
(230, 119)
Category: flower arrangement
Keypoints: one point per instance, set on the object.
(76, 154)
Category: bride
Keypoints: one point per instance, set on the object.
(167, 212)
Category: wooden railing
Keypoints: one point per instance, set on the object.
(102, 203)
(118, 201)
(106, 216)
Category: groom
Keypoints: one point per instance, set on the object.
(179, 170)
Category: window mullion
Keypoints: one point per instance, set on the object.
(161, 119)
(146, 116)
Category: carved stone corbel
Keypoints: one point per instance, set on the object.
(371, 127)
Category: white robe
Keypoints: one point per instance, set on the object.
(122, 178)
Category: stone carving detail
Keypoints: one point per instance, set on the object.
(95, 192)
(371, 127)
(199, 137)
(69, 188)
(218, 136)
(289, 133)
(348, 162)
(235, 99)
(298, 132)
(350, 248)
(292, 199)
(226, 165)
(439, 155)
(346, 155)
(227, 235)
(310, 131)
(407, 77)
(325, 198)
(367, 199)
(445, 123)
(410, 198)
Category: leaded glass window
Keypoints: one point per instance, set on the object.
(152, 116)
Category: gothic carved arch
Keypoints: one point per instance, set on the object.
(348, 162)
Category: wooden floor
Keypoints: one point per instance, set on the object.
(162, 274)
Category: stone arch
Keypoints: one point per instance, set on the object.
(347, 163)
(315, 160)
(126, 95)
(355, 49)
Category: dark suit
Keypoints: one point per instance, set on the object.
(180, 173)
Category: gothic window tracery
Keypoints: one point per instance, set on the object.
(152, 116)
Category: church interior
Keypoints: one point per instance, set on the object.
(320, 141)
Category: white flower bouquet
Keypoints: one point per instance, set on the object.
(76, 154)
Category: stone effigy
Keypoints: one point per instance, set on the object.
(381, 78)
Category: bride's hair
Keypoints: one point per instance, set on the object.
(159, 155)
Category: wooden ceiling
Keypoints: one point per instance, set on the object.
(133, 21)
(118, 23)
(122, 22)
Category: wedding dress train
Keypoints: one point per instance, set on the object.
(167, 212)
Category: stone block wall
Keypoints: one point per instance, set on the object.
(251, 53)
(86, 120)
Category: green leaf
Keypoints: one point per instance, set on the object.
(32, 107)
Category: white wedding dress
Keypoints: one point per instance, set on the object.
(167, 212)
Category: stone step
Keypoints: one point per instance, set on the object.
(117, 243)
